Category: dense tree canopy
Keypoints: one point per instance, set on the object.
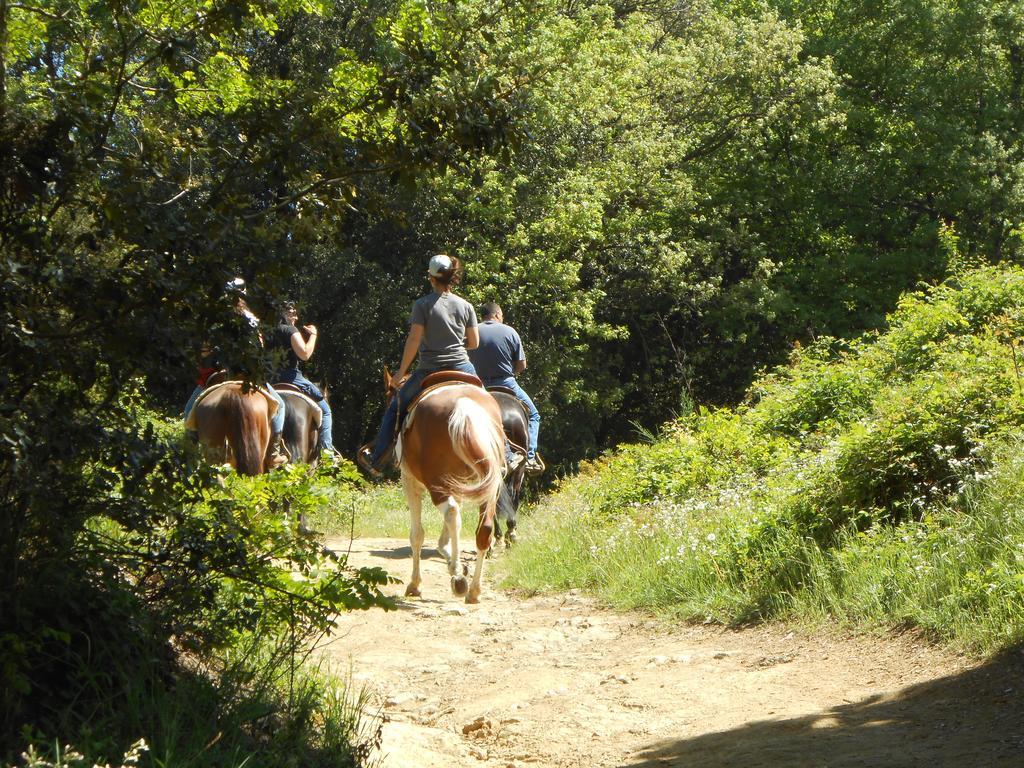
(698, 187)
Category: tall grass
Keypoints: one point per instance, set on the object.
(252, 714)
(379, 511)
(875, 481)
(957, 573)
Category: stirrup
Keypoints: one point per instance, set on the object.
(514, 463)
(535, 465)
(277, 453)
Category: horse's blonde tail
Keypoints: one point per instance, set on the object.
(480, 444)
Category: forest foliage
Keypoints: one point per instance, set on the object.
(664, 196)
(874, 481)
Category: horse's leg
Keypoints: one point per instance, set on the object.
(473, 595)
(445, 538)
(442, 544)
(496, 535)
(484, 544)
(414, 498)
(497, 524)
(452, 515)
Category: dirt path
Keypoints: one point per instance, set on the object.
(559, 681)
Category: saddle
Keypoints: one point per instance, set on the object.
(443, 377)
(507, 391)
(431, 383)
(294, 391)
(220, 384)
(219, 376)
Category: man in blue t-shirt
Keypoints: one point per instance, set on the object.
(498, 360)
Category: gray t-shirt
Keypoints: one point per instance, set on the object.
(445, 318)
(500, 349)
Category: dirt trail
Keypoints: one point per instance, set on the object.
(559, 681)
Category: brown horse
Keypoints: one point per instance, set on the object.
(233, 423)
(301, 424)
(453, 447)
(514, 420)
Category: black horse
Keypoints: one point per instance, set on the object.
(301, 424)
(514, 419)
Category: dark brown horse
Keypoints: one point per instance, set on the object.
(453, 447)
(301, 424)
(233, 423)
(514, 420)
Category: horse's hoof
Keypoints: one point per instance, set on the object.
(510, 538)
(460, 585)
(412, 591)
(473, 599)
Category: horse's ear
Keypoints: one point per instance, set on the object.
(387, 379)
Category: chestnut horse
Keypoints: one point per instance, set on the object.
(237, 417)
(452, 447)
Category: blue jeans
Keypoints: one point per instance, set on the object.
(276, 422)
(292, 376)
(409, 390)
(192, 400)
(533, 428)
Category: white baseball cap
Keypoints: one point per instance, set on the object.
(235, 285)
(439, 264)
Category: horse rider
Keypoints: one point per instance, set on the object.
(298, 346)
(207, 365)
(498, 359)
(442, 327)
(243, 328)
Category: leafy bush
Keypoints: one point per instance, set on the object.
(730, 514)
(178, 567)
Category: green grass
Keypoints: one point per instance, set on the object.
(876, 483)
(377, 511)
(957, 574)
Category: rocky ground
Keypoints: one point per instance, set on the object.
(561, 681)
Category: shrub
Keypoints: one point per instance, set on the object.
(178, 565)
(745, 513)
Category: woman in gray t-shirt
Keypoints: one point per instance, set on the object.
(442, 328)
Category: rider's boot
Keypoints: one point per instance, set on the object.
(277, 456)
(364, 458)
(513, 462)
(512, 459)
(535, 465)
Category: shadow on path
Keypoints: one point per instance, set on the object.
(405, 553)
(974, 719)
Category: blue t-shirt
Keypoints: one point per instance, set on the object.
(500, 348)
